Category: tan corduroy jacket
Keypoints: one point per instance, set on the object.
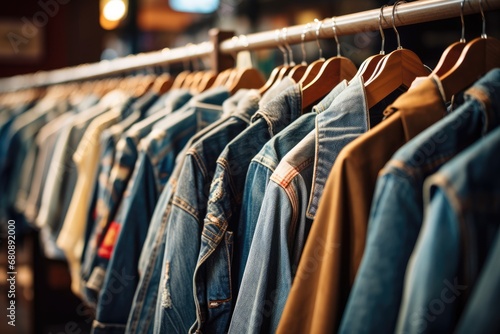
(336, 242)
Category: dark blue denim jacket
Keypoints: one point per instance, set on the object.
(153, 168)
(283, 222)
(213, 276)
(142, 314)
(259, 172)
(481, 313)
(397, 213)
(461, 215)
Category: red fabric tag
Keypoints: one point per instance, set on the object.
(108, 244)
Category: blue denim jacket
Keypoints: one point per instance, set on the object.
(284, 222)
(213, 278)
(397, 212)
(259, 172)
(481, 312)
(175, 307)
(141, 317)
(153, 168)
(460, 221)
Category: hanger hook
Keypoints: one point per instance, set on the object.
(287, 46)
(318, 27)
(483, 35)
(382, 35)
(282, 49)
(302, 45)
(462, 39)
(394, 22)
(334, 28)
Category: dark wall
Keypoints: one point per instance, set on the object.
(71, 36)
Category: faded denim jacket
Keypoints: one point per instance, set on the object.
(142, 314)
(287, 211)
(461, 216)
(213, 276)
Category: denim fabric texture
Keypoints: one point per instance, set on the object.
(259, 172)
(460, 223)
(176, 306)
(283, 225)
(480, 314)
(141, 317)
(155, 164)
(213, 276)
(398, 210)
(111, 196)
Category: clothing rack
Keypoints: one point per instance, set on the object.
(222, 47)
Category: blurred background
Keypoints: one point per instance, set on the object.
(49, 34)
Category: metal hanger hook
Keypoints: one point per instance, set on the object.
(282, 49)
(394, 22)
(462, 39)
(334, 28)
(382, 35)
(287, 46)
(483, 35)
(318, 27)
(302, 45)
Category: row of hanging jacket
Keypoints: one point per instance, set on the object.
(327, 199)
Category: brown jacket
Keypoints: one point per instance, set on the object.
(336, 242)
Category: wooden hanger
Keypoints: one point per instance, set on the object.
(207, 81)
(222, 77)
(179, 79)
(332, 72)
(399, 68)
(246, 78)
(162, 84)
(477, 58)
(197, 77)
(271, 80)
(452, 53)
(369, 66)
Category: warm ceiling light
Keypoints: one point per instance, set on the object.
(114, 10)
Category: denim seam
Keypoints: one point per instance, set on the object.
(147, 277)
(185, 206)
(156, 157)
(414, 172)
(226, 166)
(266, 163)
(98, 324)
(294, 201)
(199, 161)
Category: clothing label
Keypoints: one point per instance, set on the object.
(96, 279)
(108, 244)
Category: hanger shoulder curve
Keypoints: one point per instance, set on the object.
(449, 58)
(478, 57)
(247, 78)
(398, 68)
(333, 71)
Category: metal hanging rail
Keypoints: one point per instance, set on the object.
(406, 14)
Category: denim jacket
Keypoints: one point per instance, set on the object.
(259, 172)
(461, 217)
(141, 317)
(284, 222)
(213, 278)
(175, 307)
(127, 233)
